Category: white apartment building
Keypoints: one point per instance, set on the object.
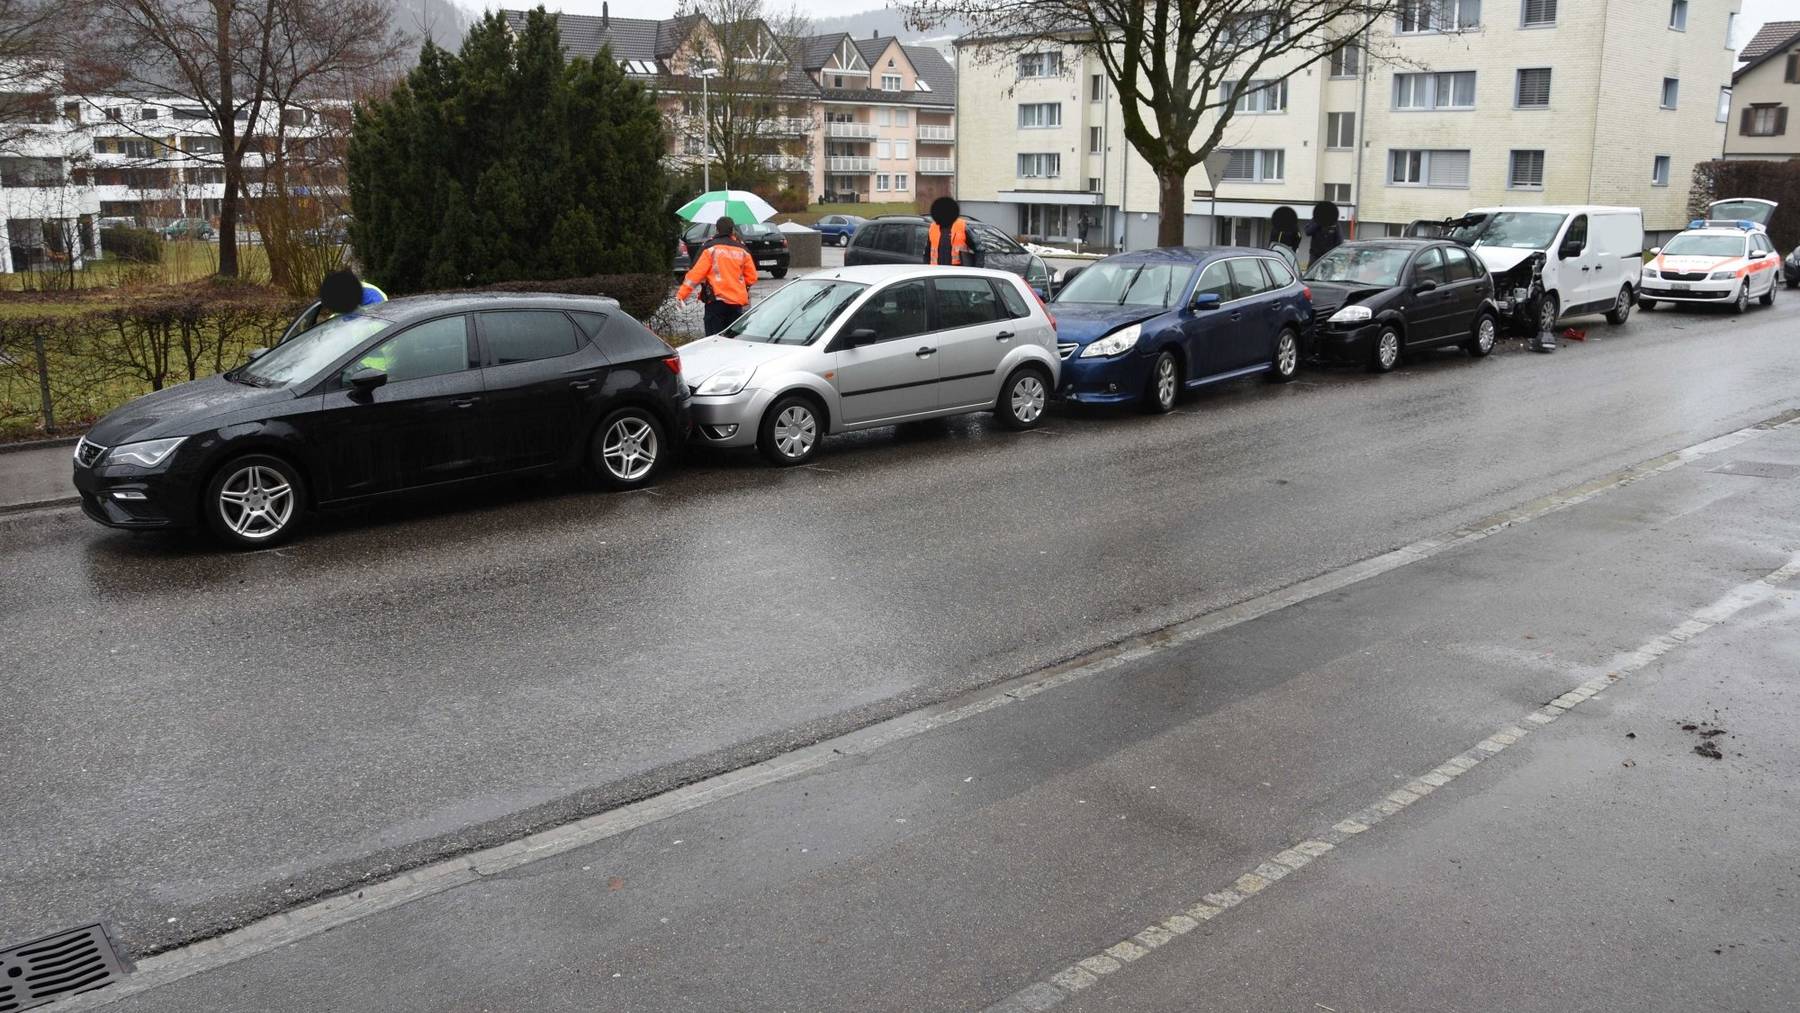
(1505, 102)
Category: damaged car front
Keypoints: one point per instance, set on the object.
(1514, 246)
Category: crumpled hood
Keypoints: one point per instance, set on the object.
(1084, 322)
(701, 359)
(1500, 259)
(1330, 296)
(181, 410)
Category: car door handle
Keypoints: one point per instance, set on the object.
(581, 384)
(1237, 316)
(466, 402)
(923, 352)
(1004, 336)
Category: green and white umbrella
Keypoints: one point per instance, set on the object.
(741, 205)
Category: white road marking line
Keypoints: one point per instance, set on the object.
(311, 919)
(1254, 883)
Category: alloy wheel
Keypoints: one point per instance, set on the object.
(256, 502)
(629, 449)
(1287, 354)
(1165, 382)
(1028, 398)
(1484, 335)
(1547, 315)
(1387, 352)
(796, 430)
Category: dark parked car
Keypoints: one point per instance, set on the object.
(901, 239)
(188, 228)
(1376, 299)
(765, 243)
(837, 229)
(1141, 327)
(1790, 269)
(419, 393)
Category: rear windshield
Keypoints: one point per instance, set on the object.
(796, 314)
(1705, 246)
(1741, 210)
(1128, 284)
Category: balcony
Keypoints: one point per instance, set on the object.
(786, 163)
(938, 134)
(851, 131)
(788, 127)
(937, 167)
(849, 163)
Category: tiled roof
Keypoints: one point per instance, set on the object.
(672, 33)
(816, 49)
(583, 35)
(935, 71)
(1774, 35)
(872, 48)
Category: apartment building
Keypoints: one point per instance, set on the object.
(1434, 112)
(840, 117)
(1763, 90)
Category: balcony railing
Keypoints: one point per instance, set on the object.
(787, 127)
(937, 166)
(786, 163)
(849, 163)
(852, 131)
(936, 133)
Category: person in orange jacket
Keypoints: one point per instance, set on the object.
(949, 236)
(723, 274)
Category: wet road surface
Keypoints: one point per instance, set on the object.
(194, 738)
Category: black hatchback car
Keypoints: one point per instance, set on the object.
(902, 239)
(766, 244)
(1375, 299)
(418, 393)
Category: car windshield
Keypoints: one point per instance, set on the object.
(1360, 265)
(303, 357)
(1518, 230)
(1128, 284)
(1705, 246)
(795, 315)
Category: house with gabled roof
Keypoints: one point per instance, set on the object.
(1764, 88)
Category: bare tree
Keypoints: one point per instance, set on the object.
(758, 108)
(1179, 67)
(30, 74)
(237, 61)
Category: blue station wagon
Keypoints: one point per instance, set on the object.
(1142, 327)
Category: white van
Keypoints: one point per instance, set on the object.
(1554, 262)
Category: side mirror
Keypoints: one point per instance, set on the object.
(1655, 250)
(1206, 301)
(1427, 285)
(255, 354)
(1759, 255)
(364, 379)
(1570, 249)
(861, 336)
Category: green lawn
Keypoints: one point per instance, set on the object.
(183, 261)
(812, 214)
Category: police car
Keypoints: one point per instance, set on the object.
(1721, 262)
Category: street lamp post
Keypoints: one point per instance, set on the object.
(706, 74)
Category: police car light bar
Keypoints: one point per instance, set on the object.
(1743, 224)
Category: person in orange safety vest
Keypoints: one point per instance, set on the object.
(722, 274)
(949, 236)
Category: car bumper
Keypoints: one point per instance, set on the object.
(1345, 344)
(730, 421)
(130, 498)
(1117, 380)
(770, 261)
(1690, 291)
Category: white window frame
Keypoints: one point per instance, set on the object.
(1723, 115)
(1043, 63)
(1260, 97)
(1047, 165)
(1678, 15)
(1424, 157)
(1435, 17)
(1093, 184)
(1757, 112)
(884, 117)
(1333, 128)
(902, 149)
(902, 118)
(1267, 165)
(1664, 101)
(884, 150)
(1345, 62)
(1433, 83)
(1096, 140)
(892, 82)
(1043, 115)
(900, 182)
(1344, 189)
(1519, 87)
(1542, 22)
(1661, 165)
(883, 182)
(1096, 87)
(1512, 169)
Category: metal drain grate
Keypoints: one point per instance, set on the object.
(56, 967)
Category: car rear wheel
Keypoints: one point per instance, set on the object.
(255, 501)
(791, 430)
(1024, 398)
(1481, 336)
(1164, 385)
(1768, 298)
(1621, 310)
(1285, 364)
(1742, 303)
(628, 449)
(1386, 353)
(778, 272)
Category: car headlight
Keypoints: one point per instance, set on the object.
(1722, 275)
(725, 382)
(1650, 272)
(1122, 340)
(147, 454)
(1353, 315)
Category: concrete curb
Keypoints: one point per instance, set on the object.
(8, 509)
(54, 441)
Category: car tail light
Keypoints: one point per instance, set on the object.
(1042, 305)
(674, 363)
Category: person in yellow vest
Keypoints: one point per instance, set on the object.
(724, 271)
(948, 238)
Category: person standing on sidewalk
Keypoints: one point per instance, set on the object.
(948, 237)
(722, 274)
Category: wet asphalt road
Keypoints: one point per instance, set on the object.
(193, 739)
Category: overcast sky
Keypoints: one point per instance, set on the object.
(1755, 12)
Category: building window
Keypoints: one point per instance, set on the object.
(902, 118)
(1040, 165)
(890, 82)
(1678, 15)
(114, 113)
(1337, 193)
(1454, 90)
(1730, 30)
(1533, 90)
(884, 149)
(1659, 171)
(1437, 16)
(883, 181)
(1671, 92)
(147, 113)
(1096, 140)
(1340, 130)
(1096, 87)
(1257, 97)
(1040, 115)
(900, 181)
(1793, 68)
(1093, 184)
(1253, 30)
(1040, 64)
(690, 145)
(837, 80)
(1765, 120)
(1527, 172)
(884, 116)
(903, 149)
(1724, 113)
(1538, 13)
(1255, 165)
(1347, 61)
(1419, 167)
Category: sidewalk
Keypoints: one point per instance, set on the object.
(36, 477)
(1088, 846)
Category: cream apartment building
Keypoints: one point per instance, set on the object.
(1764, 91)
(1437, 111)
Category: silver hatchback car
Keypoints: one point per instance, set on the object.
(861, 347)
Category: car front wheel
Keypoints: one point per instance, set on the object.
(1742, 303)
(791, 430)
(1481, 336)
(1024, 398)
(1386, 353)
(255, 501)
(1164, 385)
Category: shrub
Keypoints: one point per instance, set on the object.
(140, 246)
(789, 200)
(639, 294)
(1776, 181)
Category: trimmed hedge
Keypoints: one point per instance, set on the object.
(1776, 181)
(639, 294)
(140, 246)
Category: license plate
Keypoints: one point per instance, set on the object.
(765, 263)
(1679, 286)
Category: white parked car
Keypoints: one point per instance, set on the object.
(1554, 262)
(1726, 263)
